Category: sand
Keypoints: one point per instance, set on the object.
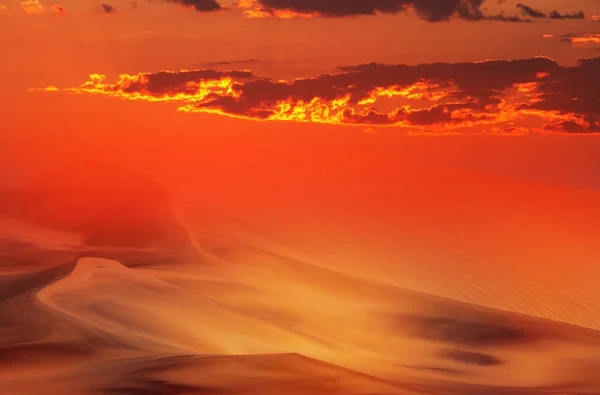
(261, 323)
(238, 307)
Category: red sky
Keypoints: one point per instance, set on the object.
(547, 137)
(478, 93)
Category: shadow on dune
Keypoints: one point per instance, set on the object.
(466, 332)
(470, 358)
(42, 352)
(159, 387)
(11, 286)
(19, 315)
(266, 374)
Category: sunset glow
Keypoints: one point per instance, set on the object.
(420, 101)
(299, 197)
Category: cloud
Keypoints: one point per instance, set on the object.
(108, 9)
(59, 10)
(4, 10)
(49, 88)
(199, 5)
(32, 6)
(575, 15)
(496, 96)
(531, 12)
(230, 62)
(535, 13)
(573, 91)
(582, 40)
(431, 11)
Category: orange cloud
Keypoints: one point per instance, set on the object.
(252, 9)
(49, 88)
(4, 10)
(32, 6)
(582, 39)
(496, 96)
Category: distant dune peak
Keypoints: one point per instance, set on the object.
(110, 204)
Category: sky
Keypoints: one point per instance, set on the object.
(503, 86)
(464, 132)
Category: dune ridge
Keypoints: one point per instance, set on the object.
(106, 203)
(226, 310)
(168, 334)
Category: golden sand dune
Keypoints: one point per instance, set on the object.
(98, 326)
(131, 307)
(482, 238)
(244, 374)
(156, 316)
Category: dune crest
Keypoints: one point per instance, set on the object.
(110, 205)
(400, 336)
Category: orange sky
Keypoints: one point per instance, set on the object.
(61, 44)
(466, 140)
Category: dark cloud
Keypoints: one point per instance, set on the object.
(336, 8)
(575, 15)
(230, 62)
(497, 93)
(478, 85)
(59, 10)
(478, 90)
(573, 90)
(429, 10)
(531, 12)
(199, 5)
(107, 8)
(535, 13)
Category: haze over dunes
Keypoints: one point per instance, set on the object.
(104, 204)
(248, 315)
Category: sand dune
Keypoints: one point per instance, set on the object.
(233, 310)
(249, 375)
(108, 204)
(473, 236)
(105, 328)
